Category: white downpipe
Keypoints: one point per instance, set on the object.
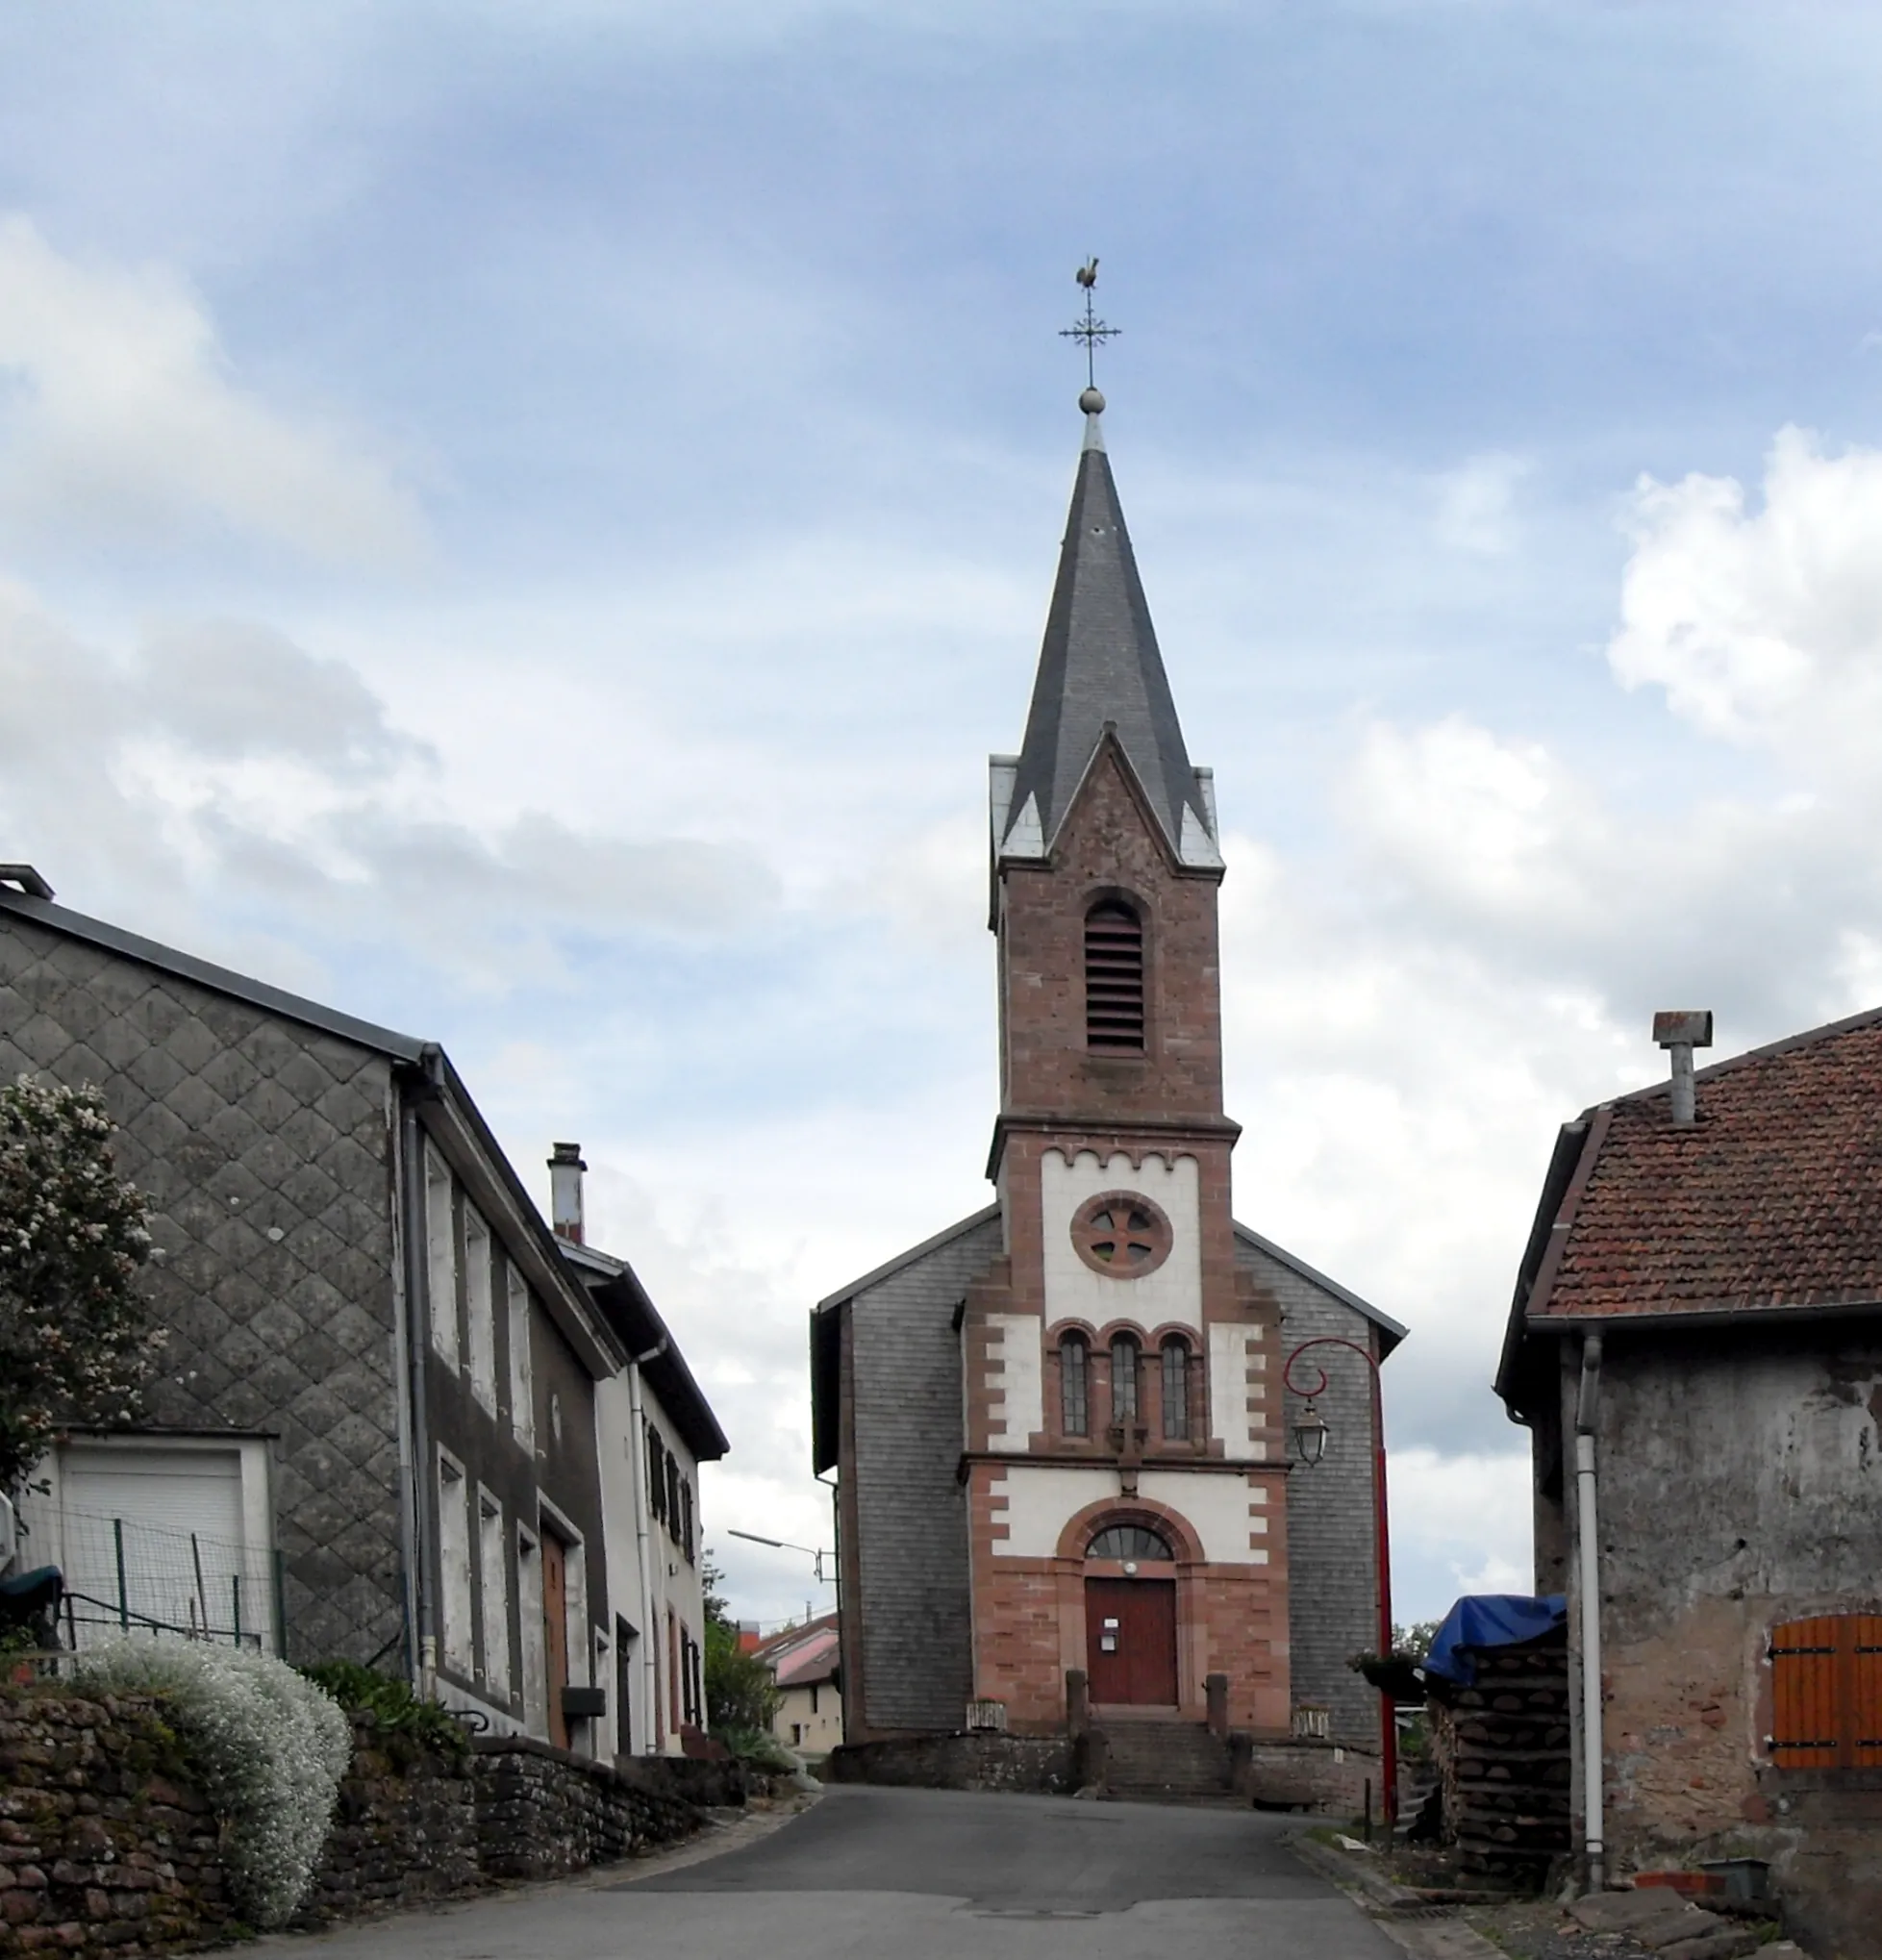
(649, 1633)
(1594, 1749)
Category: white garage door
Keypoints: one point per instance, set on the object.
(155, 1538)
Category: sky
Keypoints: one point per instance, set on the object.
(525, 521)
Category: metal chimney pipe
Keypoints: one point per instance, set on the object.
(565, 1167)
(1680, 1031)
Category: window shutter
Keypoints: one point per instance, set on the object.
(1826, 1691)
(1113, 977)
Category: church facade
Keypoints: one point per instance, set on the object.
(1059, 1426)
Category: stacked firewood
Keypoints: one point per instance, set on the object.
(1501, 1748)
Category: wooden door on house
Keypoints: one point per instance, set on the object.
(555, 1631)
(1130, 1641)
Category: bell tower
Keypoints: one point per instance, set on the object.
(1126, 1474)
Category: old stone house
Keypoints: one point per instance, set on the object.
(1059, 1425)
(375, 1429)
(1695, 1346)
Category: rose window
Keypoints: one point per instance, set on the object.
(1121, 1234)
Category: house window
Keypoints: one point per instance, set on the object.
(441, 1258)
(1074, 1385)
(479, 1323)
(522, 1378)
(812, 1698)
(1827, 1692)
(1113, 976)
(656, 1474)
(455, 1628)
(1124, 1379)
(796, 1733)
(1176, 1389)
(686, 1528)
(493, 1574)
(674, 1522)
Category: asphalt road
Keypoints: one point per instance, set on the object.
(920, 1875)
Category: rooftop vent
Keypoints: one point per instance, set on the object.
(1680, 1031)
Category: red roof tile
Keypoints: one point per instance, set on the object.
(1771, 1199)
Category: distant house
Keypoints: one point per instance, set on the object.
(376, 1431)
(807, 1663)
(656, 1429)
(1695, 1346)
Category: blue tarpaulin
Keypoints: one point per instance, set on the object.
(1489, 1620)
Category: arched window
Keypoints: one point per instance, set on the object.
(1176, 1389)
(1074, 1385)
(1113, 976)
(1129, 1541)
(1124, 1379)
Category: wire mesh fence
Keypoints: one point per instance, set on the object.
(124, 1575)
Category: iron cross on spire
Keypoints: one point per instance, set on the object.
(1091, 330)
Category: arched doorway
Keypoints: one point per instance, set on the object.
(1130, 1617)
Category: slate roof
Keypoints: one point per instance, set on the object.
(1770, 1202)
(1099, 665)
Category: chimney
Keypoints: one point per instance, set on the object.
(565, 1167)
(1680, 1031)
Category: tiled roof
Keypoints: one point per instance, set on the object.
(1771, 1199)
(802, 1655)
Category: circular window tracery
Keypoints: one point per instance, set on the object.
(1129, 1541)
(1121, 1234)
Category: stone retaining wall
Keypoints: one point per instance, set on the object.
(103, 1842)
(107, 1846)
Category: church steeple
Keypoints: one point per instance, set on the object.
(1099, 667)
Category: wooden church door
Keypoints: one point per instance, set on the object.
(1130, 1641)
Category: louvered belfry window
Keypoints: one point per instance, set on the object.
(1827, 1692)
(1113, 977)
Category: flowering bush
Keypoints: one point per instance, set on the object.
(269, 1746)
(75, 1333)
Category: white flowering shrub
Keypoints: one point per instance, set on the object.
(75, 1331)
(270, 1748)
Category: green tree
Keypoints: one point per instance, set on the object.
(1415, 1640)
(741, 1695)
(75, 1330)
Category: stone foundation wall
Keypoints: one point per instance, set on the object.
(1041, 1765)
(1288, 1774)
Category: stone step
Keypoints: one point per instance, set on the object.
(1173, 1762)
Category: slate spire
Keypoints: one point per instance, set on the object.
(1099, 665)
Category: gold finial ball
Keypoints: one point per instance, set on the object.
(1091, 402)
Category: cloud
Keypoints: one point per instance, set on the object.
(1765, 628)
(1476, 503)
(222, 771)
(1461, 1524)
(120, 417)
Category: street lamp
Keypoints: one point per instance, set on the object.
(1310, 1434)
(785, 1544)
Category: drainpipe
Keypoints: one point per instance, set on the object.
(649, 1642)
(418, 1296)
(1588, 1547)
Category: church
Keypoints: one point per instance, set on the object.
(1059, 1427)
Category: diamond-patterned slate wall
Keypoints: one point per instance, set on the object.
(264, 1147)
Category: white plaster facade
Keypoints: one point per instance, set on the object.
(1170, 1296)
(1235, 1402)
(1016, 1372)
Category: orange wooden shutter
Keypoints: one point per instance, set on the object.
(1806, 1728)
(1865, 1703)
